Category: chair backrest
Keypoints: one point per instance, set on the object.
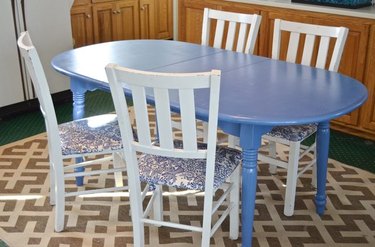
(326, 33)
(39, 80)
(164, 88)
(247, 30)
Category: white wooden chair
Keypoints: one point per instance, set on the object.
(92, 136)
(242, 30)
(169, 162)
(292, 136)
(233, 31)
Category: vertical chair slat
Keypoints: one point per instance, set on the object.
(293, 47)
(141, 114)
(219, 32)
(189, 131)
(230, 36)
(323, 52)
(308, 49)
(276, 40)
(241, 37)
(163, 117)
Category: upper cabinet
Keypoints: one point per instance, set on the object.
(96, 21)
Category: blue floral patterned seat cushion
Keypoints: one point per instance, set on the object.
(187, 173)
(293, 132)
(90, 135)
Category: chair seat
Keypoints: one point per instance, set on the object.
(293, 133)
(90, 135)
(188, 173)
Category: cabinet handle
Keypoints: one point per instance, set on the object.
(118, 11)
(114, 12)
(88, 16)
(143, 7)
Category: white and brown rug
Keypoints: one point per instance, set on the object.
(26, 218)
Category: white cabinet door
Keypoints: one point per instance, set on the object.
(11, 90)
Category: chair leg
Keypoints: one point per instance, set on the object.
(60, 197)
(135, 201)
(205, 132)
(207, 218)
(158, 203)
(314, 176)
(291, 183)
(118, 162)
(234, 216)
(272, 153)
(52, 195)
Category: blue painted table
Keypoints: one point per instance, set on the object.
(256, 94)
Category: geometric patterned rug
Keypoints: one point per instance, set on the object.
(26, 218)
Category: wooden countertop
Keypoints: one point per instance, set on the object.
(365, 12)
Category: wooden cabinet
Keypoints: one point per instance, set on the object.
(96, 21)
(147, 17)
(116, 20)
(367, 113)
(358, 59)
(82, 25)
(164, 19)
(190, 19)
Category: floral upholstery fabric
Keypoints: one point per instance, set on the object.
(187, 173)
(294, 132)
(90, 135)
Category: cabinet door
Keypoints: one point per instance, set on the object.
(127, 20)
(164, 19)
(147, 17)
(104, 21)
(82, 26)
(368, 109)
(354, 56)
(191, 16)
(81, 2)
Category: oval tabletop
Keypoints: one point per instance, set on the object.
(274, 92)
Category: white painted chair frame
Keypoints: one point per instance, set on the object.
(246, 26)
(138, 81)
(59, 172)
(296, 151)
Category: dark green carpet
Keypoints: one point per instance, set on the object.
(32, 123)
(345, 148)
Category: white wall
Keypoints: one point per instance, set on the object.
(10, 74)
(48, 22)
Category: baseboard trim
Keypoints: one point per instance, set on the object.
(13, 110)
